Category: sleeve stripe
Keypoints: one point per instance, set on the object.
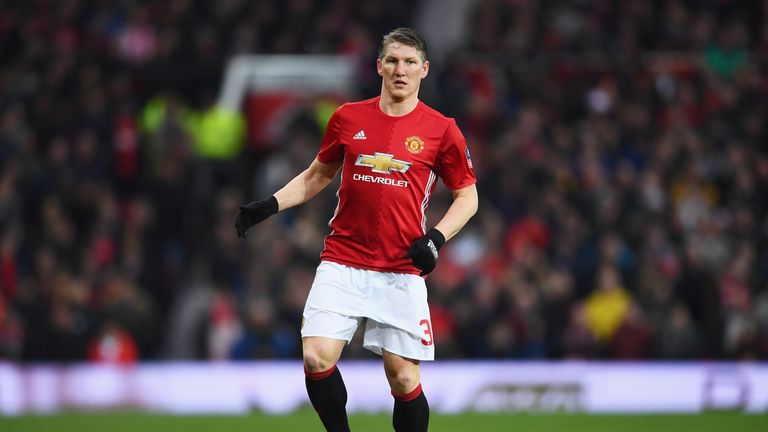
(338, 200)
(425, 201)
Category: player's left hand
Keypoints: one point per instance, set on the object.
(423, 251)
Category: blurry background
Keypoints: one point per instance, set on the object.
(621, 150)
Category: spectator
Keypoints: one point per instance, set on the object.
(113, 345)
(678, 338)
(263, 337)
(606, 308)
(11, 333)
(633, 339)
(578, 340)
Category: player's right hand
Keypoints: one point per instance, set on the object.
(254, 212)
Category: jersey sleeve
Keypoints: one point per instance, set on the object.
(453, 163)
(331, 150)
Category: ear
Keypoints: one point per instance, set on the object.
(379, 69)
(425, 69)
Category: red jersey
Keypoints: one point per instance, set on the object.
(390, 169)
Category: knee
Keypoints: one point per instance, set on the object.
(315, 360)
(403, 380)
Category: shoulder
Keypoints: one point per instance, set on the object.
(435, 114)
(445, 126)
(352, 110)
(357, 105)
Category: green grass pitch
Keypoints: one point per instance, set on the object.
(305, 420)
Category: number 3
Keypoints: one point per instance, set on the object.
(427, 331)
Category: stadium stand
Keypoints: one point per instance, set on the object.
(621, 150)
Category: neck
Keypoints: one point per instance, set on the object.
(397, 108)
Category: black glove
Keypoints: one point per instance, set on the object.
(423, 251)
(253, 213)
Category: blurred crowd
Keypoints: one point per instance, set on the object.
(620, 149)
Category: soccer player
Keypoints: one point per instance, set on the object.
(390, 151)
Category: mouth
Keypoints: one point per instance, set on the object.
(400, 83)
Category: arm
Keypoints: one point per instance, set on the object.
(464, 206)
(298, 191)
(455, 168)
(307, 184)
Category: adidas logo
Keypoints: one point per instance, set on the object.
(360, 135)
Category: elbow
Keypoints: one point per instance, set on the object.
(473, 208)
(470, 203)
(474, 203)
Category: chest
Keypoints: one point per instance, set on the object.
(385, 145)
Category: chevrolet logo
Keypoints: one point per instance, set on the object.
(382, 163)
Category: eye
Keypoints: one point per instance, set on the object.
(411, 62)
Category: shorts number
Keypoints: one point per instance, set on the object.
(427, 331)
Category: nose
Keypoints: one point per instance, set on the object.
(400, 69)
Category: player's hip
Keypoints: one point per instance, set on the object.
(398, 299)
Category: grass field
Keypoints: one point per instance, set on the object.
(306, 421)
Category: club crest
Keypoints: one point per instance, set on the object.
(414, 144)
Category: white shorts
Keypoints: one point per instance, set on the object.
(395, 305)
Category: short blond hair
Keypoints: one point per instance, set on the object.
(406, 36)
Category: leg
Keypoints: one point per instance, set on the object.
(411, 412)
(324, 334)
(321, 353)
(325, 386)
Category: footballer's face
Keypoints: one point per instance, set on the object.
(401, 70)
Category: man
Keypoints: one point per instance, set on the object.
(390, 150)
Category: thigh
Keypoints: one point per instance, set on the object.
(399, 320)
(332, 309)
(400, 301)
(328, 324)
(338, 288)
